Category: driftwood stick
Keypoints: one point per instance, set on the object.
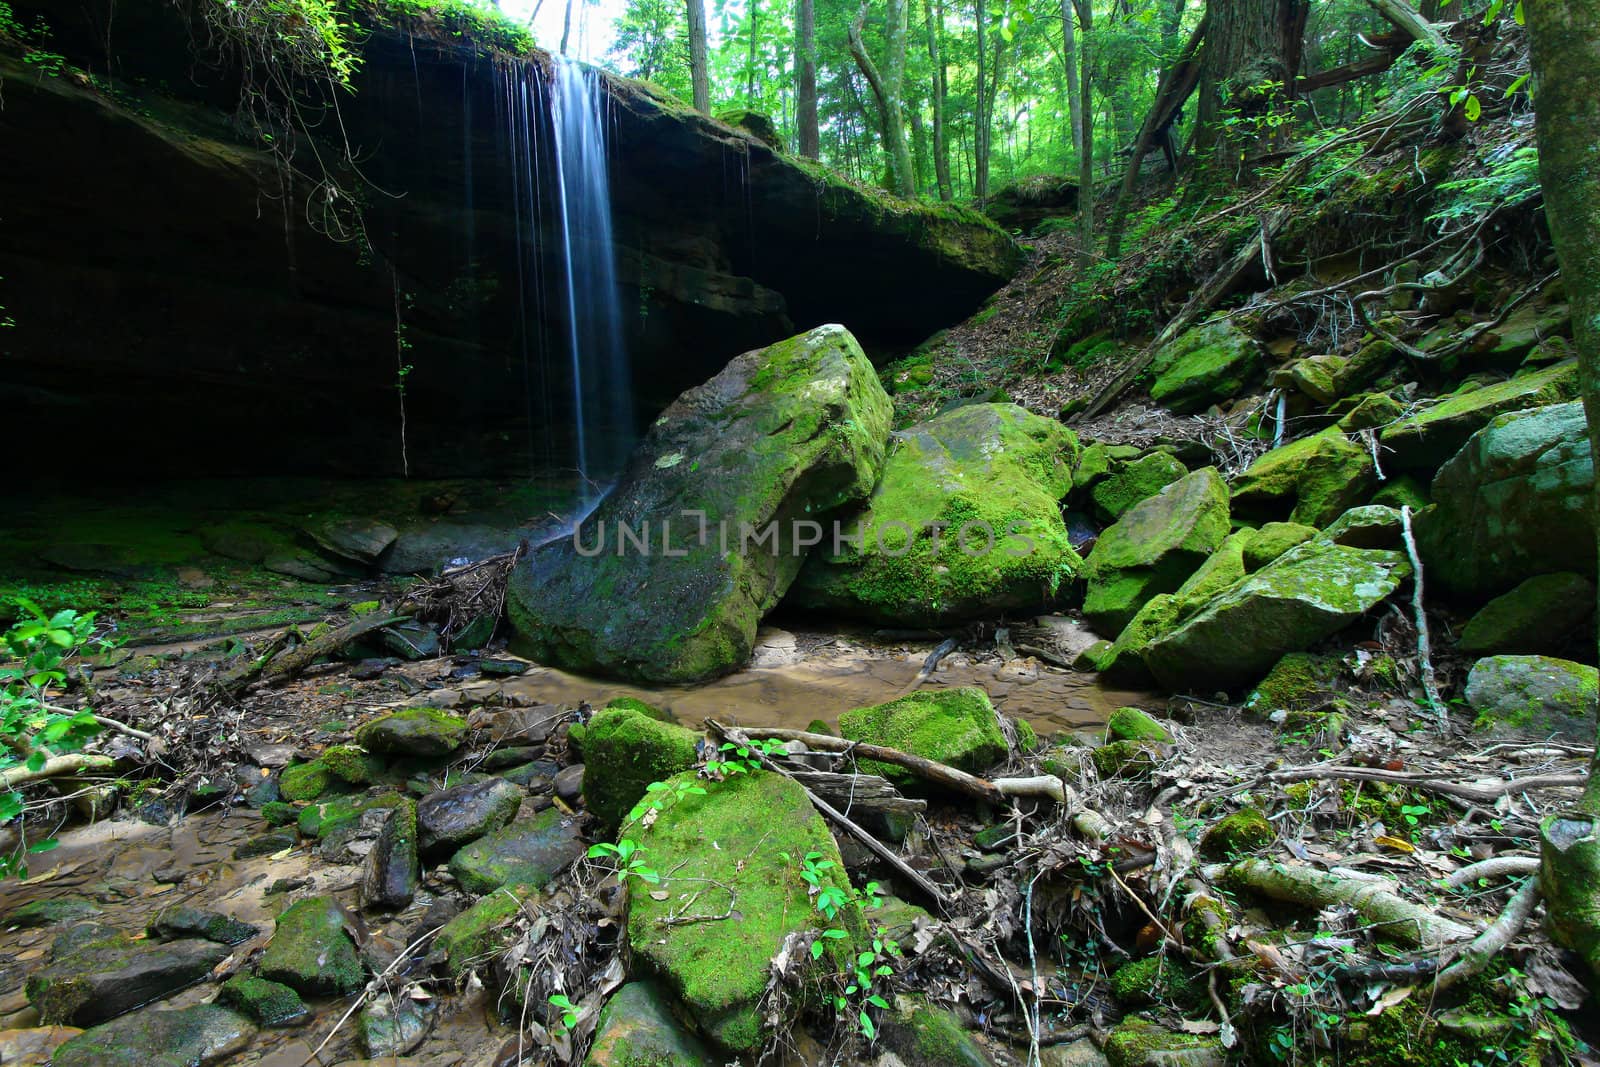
(1478, 792)
(1373, 899)
(1494, 939)
(929, 665)
(1041, 785)
(288, 664)
(1497, 867)
(876, 847)
(938, 773)
(71, 763)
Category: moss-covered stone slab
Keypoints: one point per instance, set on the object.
(1369, 411)
(389, 875)
(1140, 1043)
(326, 818)
(957, 727)
(965, 521)
(1513, 503)
(1204, 365)
(1123, 662)
(1154, 547)
(473, 937)
(1544, 615)
(1299, 681)
(182, 920)
(450, 818)
(920, 1033)
(1133, 482)
(745, 838)
(1535, 695)
(1131, 724)
(1227, 565)
(50, 912)
(637, 1027)
(425, 732)
(97, 973)
(312, 953)
(625, 751)
(1368, 526)
(530, 852)
(1430, 437)
(1309, 593)
(782, 436)
(1273, 540)
(352, 764)
(186, 1037)
(1311, 481)
(270, 1004)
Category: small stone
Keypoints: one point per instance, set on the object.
(187, 1037)
(268, 1003)
(503, 667)
(183, 921)
(450, 818)
(503, 758)
(311, 952)
(34, 1045)
(266, 844)
(411, 640)
(569, 783)
(536, 777)
(389, 878)
(1246, 830)
(394, 1025)
(414, 732)
(352, 763)
(637, 1026)
(530, 852)
(49, 912)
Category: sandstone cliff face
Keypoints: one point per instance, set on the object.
(168, 293)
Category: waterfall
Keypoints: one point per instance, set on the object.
(601, 394)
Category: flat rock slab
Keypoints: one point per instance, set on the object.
(414, 732)
(311, 953)
(530, 852)
(99, 973)
(452, 817)
(184, 1038)
(182, 921)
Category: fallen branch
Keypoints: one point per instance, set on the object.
(1430, 687)
(938, 773)
(72, 763)
(929, 665)
(1494, 939)
(1374, 900)
(287, 664)
(1477, 792)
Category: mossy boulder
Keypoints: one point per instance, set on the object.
(329, 817)
(649, 711)
(474, 936)
(184, 1037)
(1227, 565)
(1094, 463)
(1402, 492)
(1307, 594)
(920, 1033)
(389, 875)
(1128, 759)
(450, 818)
(1536, 695)
(623, 753)
(957, 727)
(183, 920)
(305, 781)
(311, 952)
(1204, 365)
(965, 521)
(1133, 482)
(1298, 682)
(268, 1003)
(1545, 615)
(1154, 547)
(426, 732)
(755, 124)
(1245, 830)
(1123, 662)
(351, 763)
(1513, 503)
(1369, 411)
(783, 434)
(96, 973)
(1368, 526)
(1132, 724)
(745, 837)
(1430, 437)
(1319, 377)
(1139, 1043)
(1153, 980)
(529, 852)
(637, 1029)
(1273, 540)
(1314, 480)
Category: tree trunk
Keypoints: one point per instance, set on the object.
(1248, 69)
(1069, 60)
(805, 79)
(750, 68)
(699, 73)
(980, 122)
(941, 152)
(1085, 139)
(887, 87)
(1566, 70)
(1171, 23)
(566, 27)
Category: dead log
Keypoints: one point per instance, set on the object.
(1419, 29)
(287, 664)
(72, 763)
(937, 773)
(1494, 939)
(1482, 792)
(1373, 899)
(860, 792)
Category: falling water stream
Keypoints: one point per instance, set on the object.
(601, 397)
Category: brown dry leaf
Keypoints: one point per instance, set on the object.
(1398, 844)
(659, 894)
(1200, 1026)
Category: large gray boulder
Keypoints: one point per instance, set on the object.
(1513, 503)
(1536, 695)
(1156, 544)
(965, 521)
(1309, 593)
(782, 435)
(1433, 435)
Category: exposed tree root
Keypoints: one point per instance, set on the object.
(71, 763)
(1498, 935)
(1374, 900)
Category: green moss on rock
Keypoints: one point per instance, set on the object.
(529, 852)
(311, 952)
(626, 703)
(1541, 616)
(268, 1003)
(352, 763)
(1131, 724)
(1541, 695)
(304, 781)
(1314, 479)
(1245, 830)
(426, 732)
(957, 727)
(1153, 980)
(474, 936)
(1430, 437)
(1297, 682)
(1273, 540)
(1204, 365)
(1137, 481)
(624, 751)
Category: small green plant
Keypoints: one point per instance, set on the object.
(745, 757)
(569, 1011)
(629, 858)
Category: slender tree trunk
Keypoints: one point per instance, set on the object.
(980, 121)
(566, 27)
(1085, 137)
(887, 88)
(1069, 60)
(1566, 68)
(699, 72)
(750, 68)
(941, 152)
(805, 79)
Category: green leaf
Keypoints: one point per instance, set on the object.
(867, 1027)
(877, 1001)
(1473, 108)
(36, 761)
(10, 806)
(46, 845)
(816, 950)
